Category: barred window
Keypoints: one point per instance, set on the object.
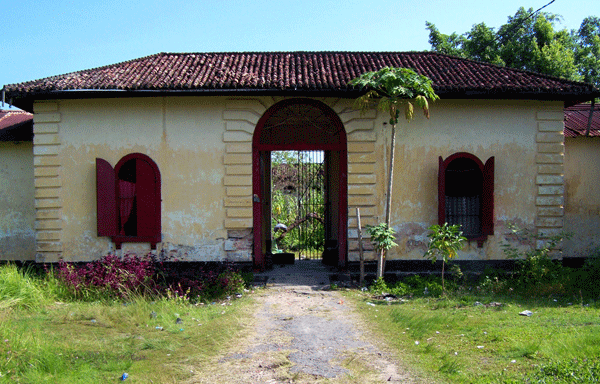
(466, 194)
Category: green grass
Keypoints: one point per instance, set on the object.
(43, 340)
(454, 340)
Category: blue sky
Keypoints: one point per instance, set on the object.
(43, 38)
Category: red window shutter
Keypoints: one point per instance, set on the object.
(442, 192)
(148, 199)
(487, 213)
(106, 205)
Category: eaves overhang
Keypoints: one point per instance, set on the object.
(25, 101)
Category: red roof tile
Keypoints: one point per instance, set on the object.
(296, 73)
(16, 126)
(576, 120)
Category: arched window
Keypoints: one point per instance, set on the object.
(128, 200)
(466, 195)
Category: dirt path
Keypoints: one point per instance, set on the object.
(301, 333)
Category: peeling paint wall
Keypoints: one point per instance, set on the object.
(508, 130)
(582, 196)
(182, 135)
(17, 216)
(203, 148)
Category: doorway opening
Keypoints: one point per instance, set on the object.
(309, 134)
(298, 208)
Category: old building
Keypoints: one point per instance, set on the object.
(171, 153)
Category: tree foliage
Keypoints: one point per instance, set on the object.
(394, 89)
(444, 241)
(529, 41)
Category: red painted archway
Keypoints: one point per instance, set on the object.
(301, 125)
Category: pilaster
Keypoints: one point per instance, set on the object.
(362, 176)
(47, 182)
(240, 116)
(550, 183)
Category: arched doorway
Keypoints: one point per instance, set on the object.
(301, 125)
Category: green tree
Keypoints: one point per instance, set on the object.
(444, 241)
(392, 90)
(587, 50)
(529, 41)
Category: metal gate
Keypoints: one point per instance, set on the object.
(298, 203)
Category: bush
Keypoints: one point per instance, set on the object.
(585, 279)
(112, 277)
(412, 285)
(109, 277)
(536, 272)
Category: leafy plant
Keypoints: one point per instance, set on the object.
(444, 242)
(108, 277)
(534, 262)
(382, 236)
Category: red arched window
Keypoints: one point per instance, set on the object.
(128, 200)
(466, 195)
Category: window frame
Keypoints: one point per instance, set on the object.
(487, 196)
(108, 201)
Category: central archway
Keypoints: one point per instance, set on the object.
(301, 125)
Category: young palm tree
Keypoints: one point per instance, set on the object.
(391, 90)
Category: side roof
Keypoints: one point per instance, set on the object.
(577, 118)
(16, 125)
(293, 73)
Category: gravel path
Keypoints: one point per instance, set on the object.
(302, 333)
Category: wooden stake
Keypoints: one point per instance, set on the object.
(360, 249)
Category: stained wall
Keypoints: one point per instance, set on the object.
(17, 213)
(203, 148)
(582, 205)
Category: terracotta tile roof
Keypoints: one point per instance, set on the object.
(297, 73)
(576, 120)
(16, 126)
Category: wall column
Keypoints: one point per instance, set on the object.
(47, 182)
(240, 116)
(550, 173)
(363, 185)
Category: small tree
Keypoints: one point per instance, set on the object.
(382, 236)
(392, 90)
(444, 241)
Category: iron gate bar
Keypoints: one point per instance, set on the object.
(309, 218)
(311, 204)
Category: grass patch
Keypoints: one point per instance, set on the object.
(98, 342)
(464, 339)
(153, 338)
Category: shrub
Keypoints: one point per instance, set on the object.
(112, 277)
(586, 279)
(109, 277)
(536, 273)
(444, 241)
(414, 285)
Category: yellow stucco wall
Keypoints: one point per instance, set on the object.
(183, 136)
(582, 197)
(506, 130)
(202, 146)
(17, 216)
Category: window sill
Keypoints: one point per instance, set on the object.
(479, 239)
(119, 240)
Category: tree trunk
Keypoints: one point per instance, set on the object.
(388, 201)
